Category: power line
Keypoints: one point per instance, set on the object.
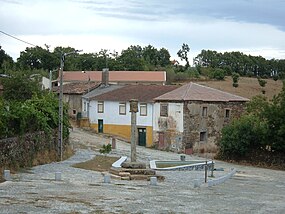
(17, 38)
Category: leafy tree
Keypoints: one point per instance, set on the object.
(260, 129)
(217, 73)
(241, 137)
(163, 57)
(37, 58)
(262, 83)
(132, 59)
(20, 87)
(183, 54)
(235, 77)
(6, 62)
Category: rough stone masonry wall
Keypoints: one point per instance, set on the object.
(21, 151)
(212, 124)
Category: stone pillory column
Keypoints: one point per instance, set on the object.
(133, 110)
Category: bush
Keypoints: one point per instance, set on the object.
(217, 73)
(275, 78)
(235, 84)
(235, 77)
(241, 137)
(181, 76)
(261, 82)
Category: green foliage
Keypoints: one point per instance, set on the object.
(244, 65)
(217, 73)
(241, 137)
(261, 82)
(6, 62)
(235, 84)
(25, 108)
(106, 149)
(235, 77)
(20, 87)
(261, 128)
(275, 77)
(183, 54)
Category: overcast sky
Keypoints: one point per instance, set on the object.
(255, 27)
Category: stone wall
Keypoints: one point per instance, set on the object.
(22, 151)
(211, 123)
(74, 104)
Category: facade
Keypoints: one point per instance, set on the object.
(192, 116)
(72, 96)
(109, 111)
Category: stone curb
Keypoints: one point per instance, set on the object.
(222, 179)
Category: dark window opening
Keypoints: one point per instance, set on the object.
(227, 115)
(203, 136)
(163, 110)
(204, 111)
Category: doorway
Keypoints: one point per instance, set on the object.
(100, 126)
(142, 136)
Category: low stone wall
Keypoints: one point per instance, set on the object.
(28, 150)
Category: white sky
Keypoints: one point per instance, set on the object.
(254, 27)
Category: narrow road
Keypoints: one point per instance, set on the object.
(251, 190)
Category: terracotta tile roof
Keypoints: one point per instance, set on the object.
(116, 76)
(196, 92)
(144, 93)
(77, 87)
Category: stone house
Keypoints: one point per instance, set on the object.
(72, 96)
(193, 116)
(109, 109)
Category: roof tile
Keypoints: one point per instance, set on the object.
(143, 93)
(196, 92)
(116, 76)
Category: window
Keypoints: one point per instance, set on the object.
(227, 114)
(143, 109)
(74, 111)
(122, 108)
(203, 136)
(164, 110)
(204, 111)
(100, 107)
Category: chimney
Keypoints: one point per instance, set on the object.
(105, 77)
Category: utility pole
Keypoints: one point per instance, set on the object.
(50, 79)
(133, 110)
(60, 104)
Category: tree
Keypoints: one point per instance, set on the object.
(260, 129)
(163, 57)
(132, 59)
(19, 87)
(262, 84)
(235, 77)
(6, 62)
(183, 54)
(37, 58)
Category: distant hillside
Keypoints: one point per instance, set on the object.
(248, 87)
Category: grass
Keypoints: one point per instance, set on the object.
(100, 163)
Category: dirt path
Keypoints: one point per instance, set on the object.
(251, 190)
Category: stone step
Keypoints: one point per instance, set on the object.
(124, 174)
(133, 165)
(139, 171)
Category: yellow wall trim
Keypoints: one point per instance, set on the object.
(124, 131)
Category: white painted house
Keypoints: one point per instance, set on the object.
(109, 111)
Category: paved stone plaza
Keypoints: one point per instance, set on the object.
(250, 190)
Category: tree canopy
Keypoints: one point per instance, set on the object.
(244, 65)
